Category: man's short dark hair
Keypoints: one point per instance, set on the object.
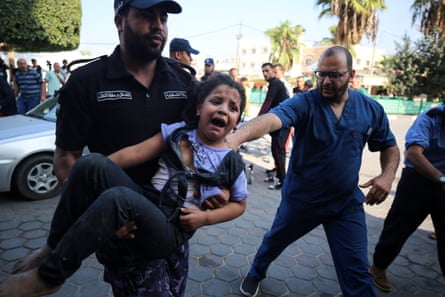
(339, 49)
(268, 64)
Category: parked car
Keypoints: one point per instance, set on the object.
(27, 145)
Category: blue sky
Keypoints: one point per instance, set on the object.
(212, 26)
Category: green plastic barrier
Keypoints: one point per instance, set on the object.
(392, 105)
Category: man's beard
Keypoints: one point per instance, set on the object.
(338, 94)
(138, 47)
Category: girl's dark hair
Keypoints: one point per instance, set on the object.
(202, 90)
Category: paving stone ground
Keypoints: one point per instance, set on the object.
(221, 255)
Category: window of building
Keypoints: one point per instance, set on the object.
(254, 51)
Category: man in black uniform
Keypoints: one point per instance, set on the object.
(276, 93)
(119, 101)
(7, 99)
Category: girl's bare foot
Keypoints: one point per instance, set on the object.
(32, 260)
(27, 284)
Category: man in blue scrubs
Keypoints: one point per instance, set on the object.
(332, 125)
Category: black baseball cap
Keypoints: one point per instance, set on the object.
(180, 44)
(169, 5)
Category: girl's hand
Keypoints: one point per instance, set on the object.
(217, 201)
(191, 219)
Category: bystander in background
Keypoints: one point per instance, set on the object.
(276, 93)
(356, 84)
(278, 70)
(308, 85)
(234, 74)
(29, 87)
(299, 86)
(209, 68)
(54, 80)
(181, 50)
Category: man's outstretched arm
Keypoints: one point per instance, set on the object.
(254, 129)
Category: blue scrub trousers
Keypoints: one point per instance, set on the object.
(347, 237)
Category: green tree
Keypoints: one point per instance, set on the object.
(40, 25)
(401, 68)
(286, 44)
(355, 19)
(431, 14)
(418, 68)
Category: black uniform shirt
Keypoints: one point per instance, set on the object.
(104, 107)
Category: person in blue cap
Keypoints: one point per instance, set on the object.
(181, 50)
(209, 68)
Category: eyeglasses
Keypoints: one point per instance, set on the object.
(333, 75)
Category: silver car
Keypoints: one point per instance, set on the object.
(27, 144)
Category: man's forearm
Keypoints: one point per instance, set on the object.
(254, 129)
(415, 157)
(389, 160)
(63, 161)
(42, 91)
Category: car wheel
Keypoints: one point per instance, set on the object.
(35, 178)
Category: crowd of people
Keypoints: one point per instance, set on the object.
(169, 164)
(24, 87)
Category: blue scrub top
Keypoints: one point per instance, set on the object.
(428, 131)
(327, 152)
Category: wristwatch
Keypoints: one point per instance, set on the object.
(442, 179)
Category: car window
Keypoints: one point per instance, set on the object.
(47, 110)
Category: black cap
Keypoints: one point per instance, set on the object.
(180, 44)
(169, 5)
(209, 61)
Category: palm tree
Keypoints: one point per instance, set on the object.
(329, 41)
(356, 18)
(431, 14)
(286, 44)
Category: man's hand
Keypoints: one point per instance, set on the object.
(125, 232)
(380, 187)
(217, 201)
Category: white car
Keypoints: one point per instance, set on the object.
(27, 145)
